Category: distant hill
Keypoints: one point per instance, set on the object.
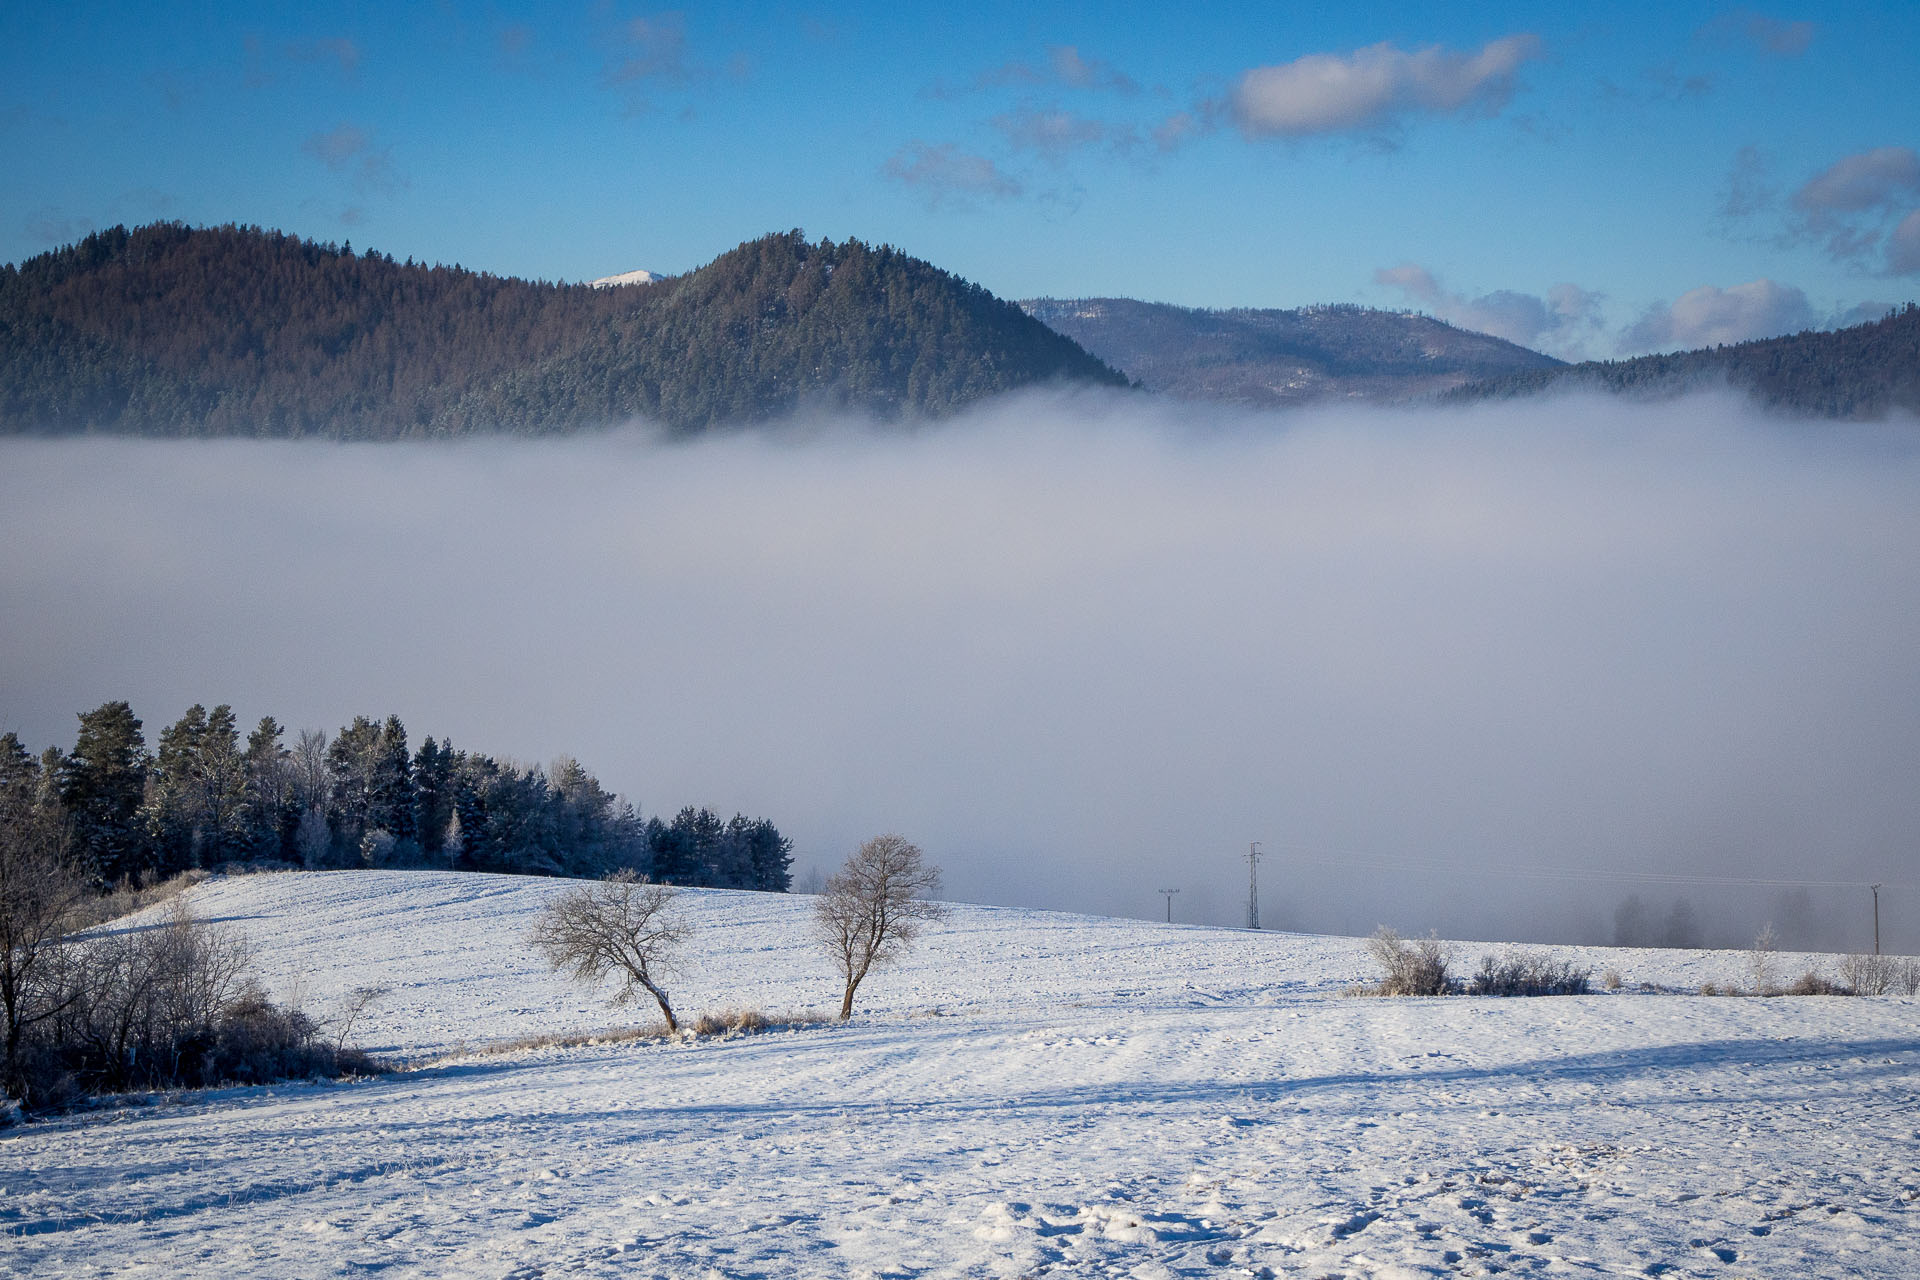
(1278, 358)
(168, 330)
(1860, 372)
(628, 277)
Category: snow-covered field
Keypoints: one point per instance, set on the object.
(1031, 1093)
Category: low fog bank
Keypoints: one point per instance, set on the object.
(1468, 669)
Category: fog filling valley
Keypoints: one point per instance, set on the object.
(1465, 669)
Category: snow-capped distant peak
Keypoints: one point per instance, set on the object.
(627, 277)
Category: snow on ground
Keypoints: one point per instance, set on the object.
(1032, 1093)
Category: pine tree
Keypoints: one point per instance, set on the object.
(102, 784)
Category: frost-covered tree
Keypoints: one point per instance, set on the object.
(622, 927)
(39, 888)
(872, 909)
(102, 784)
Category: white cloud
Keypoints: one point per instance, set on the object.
(943, 173)
(1559, 322)
(1711, 316)
(1336, 93)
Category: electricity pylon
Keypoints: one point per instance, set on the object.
(1253, 885)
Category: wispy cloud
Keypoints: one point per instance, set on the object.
(349, 149)
(1369, 88)
(50, 225)
(945, 175)
(653, 54)
(1774, 36)
(260, 63)
(1749, 188)
(650, 48)
(1063, 67)
(1903, 246)
(340, 51)
(1054, 134)
(1850, 204)
(1560, 322)
(514, 40)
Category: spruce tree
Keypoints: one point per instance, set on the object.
(102, 784)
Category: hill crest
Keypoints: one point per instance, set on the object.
(167, 330)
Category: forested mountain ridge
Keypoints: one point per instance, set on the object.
(168, 330)
(1273, 358)
(1860, 372)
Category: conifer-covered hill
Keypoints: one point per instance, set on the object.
(168, 330)
(1270, 358)
(1860, 372)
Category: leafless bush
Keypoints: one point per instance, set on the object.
(1811, 983)
(354, 1007)
(871, 910)
(1612, 980)
(735, 1022)
(1908, 976)
(1528, 973)
(1760, 961)
(165, 1005)
(721, 1025)
(623, 927)
(125, 899)
(1869, 975)
(1409, 968)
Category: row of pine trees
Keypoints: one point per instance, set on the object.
(204, 796)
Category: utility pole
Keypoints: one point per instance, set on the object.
(1253, 885)
(1169, 896)
(1876, 918)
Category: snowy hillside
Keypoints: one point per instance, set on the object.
(1031, 1093)
(626, 277)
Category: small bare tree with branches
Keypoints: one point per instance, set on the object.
(40, 892)
(871, 910)
(622, 926)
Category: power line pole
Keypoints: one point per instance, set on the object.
(1253, 885)
(1876, 918)
(1169, 896)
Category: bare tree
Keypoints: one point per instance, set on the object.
(871, 910)
(40, 888)
(620, 926)
(353, 1008)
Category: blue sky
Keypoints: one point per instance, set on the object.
(1590, 180)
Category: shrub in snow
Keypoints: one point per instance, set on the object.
(163, 1006)
(1409, 968)
(1811, 983)
(1528, 973)
(1869, 975)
